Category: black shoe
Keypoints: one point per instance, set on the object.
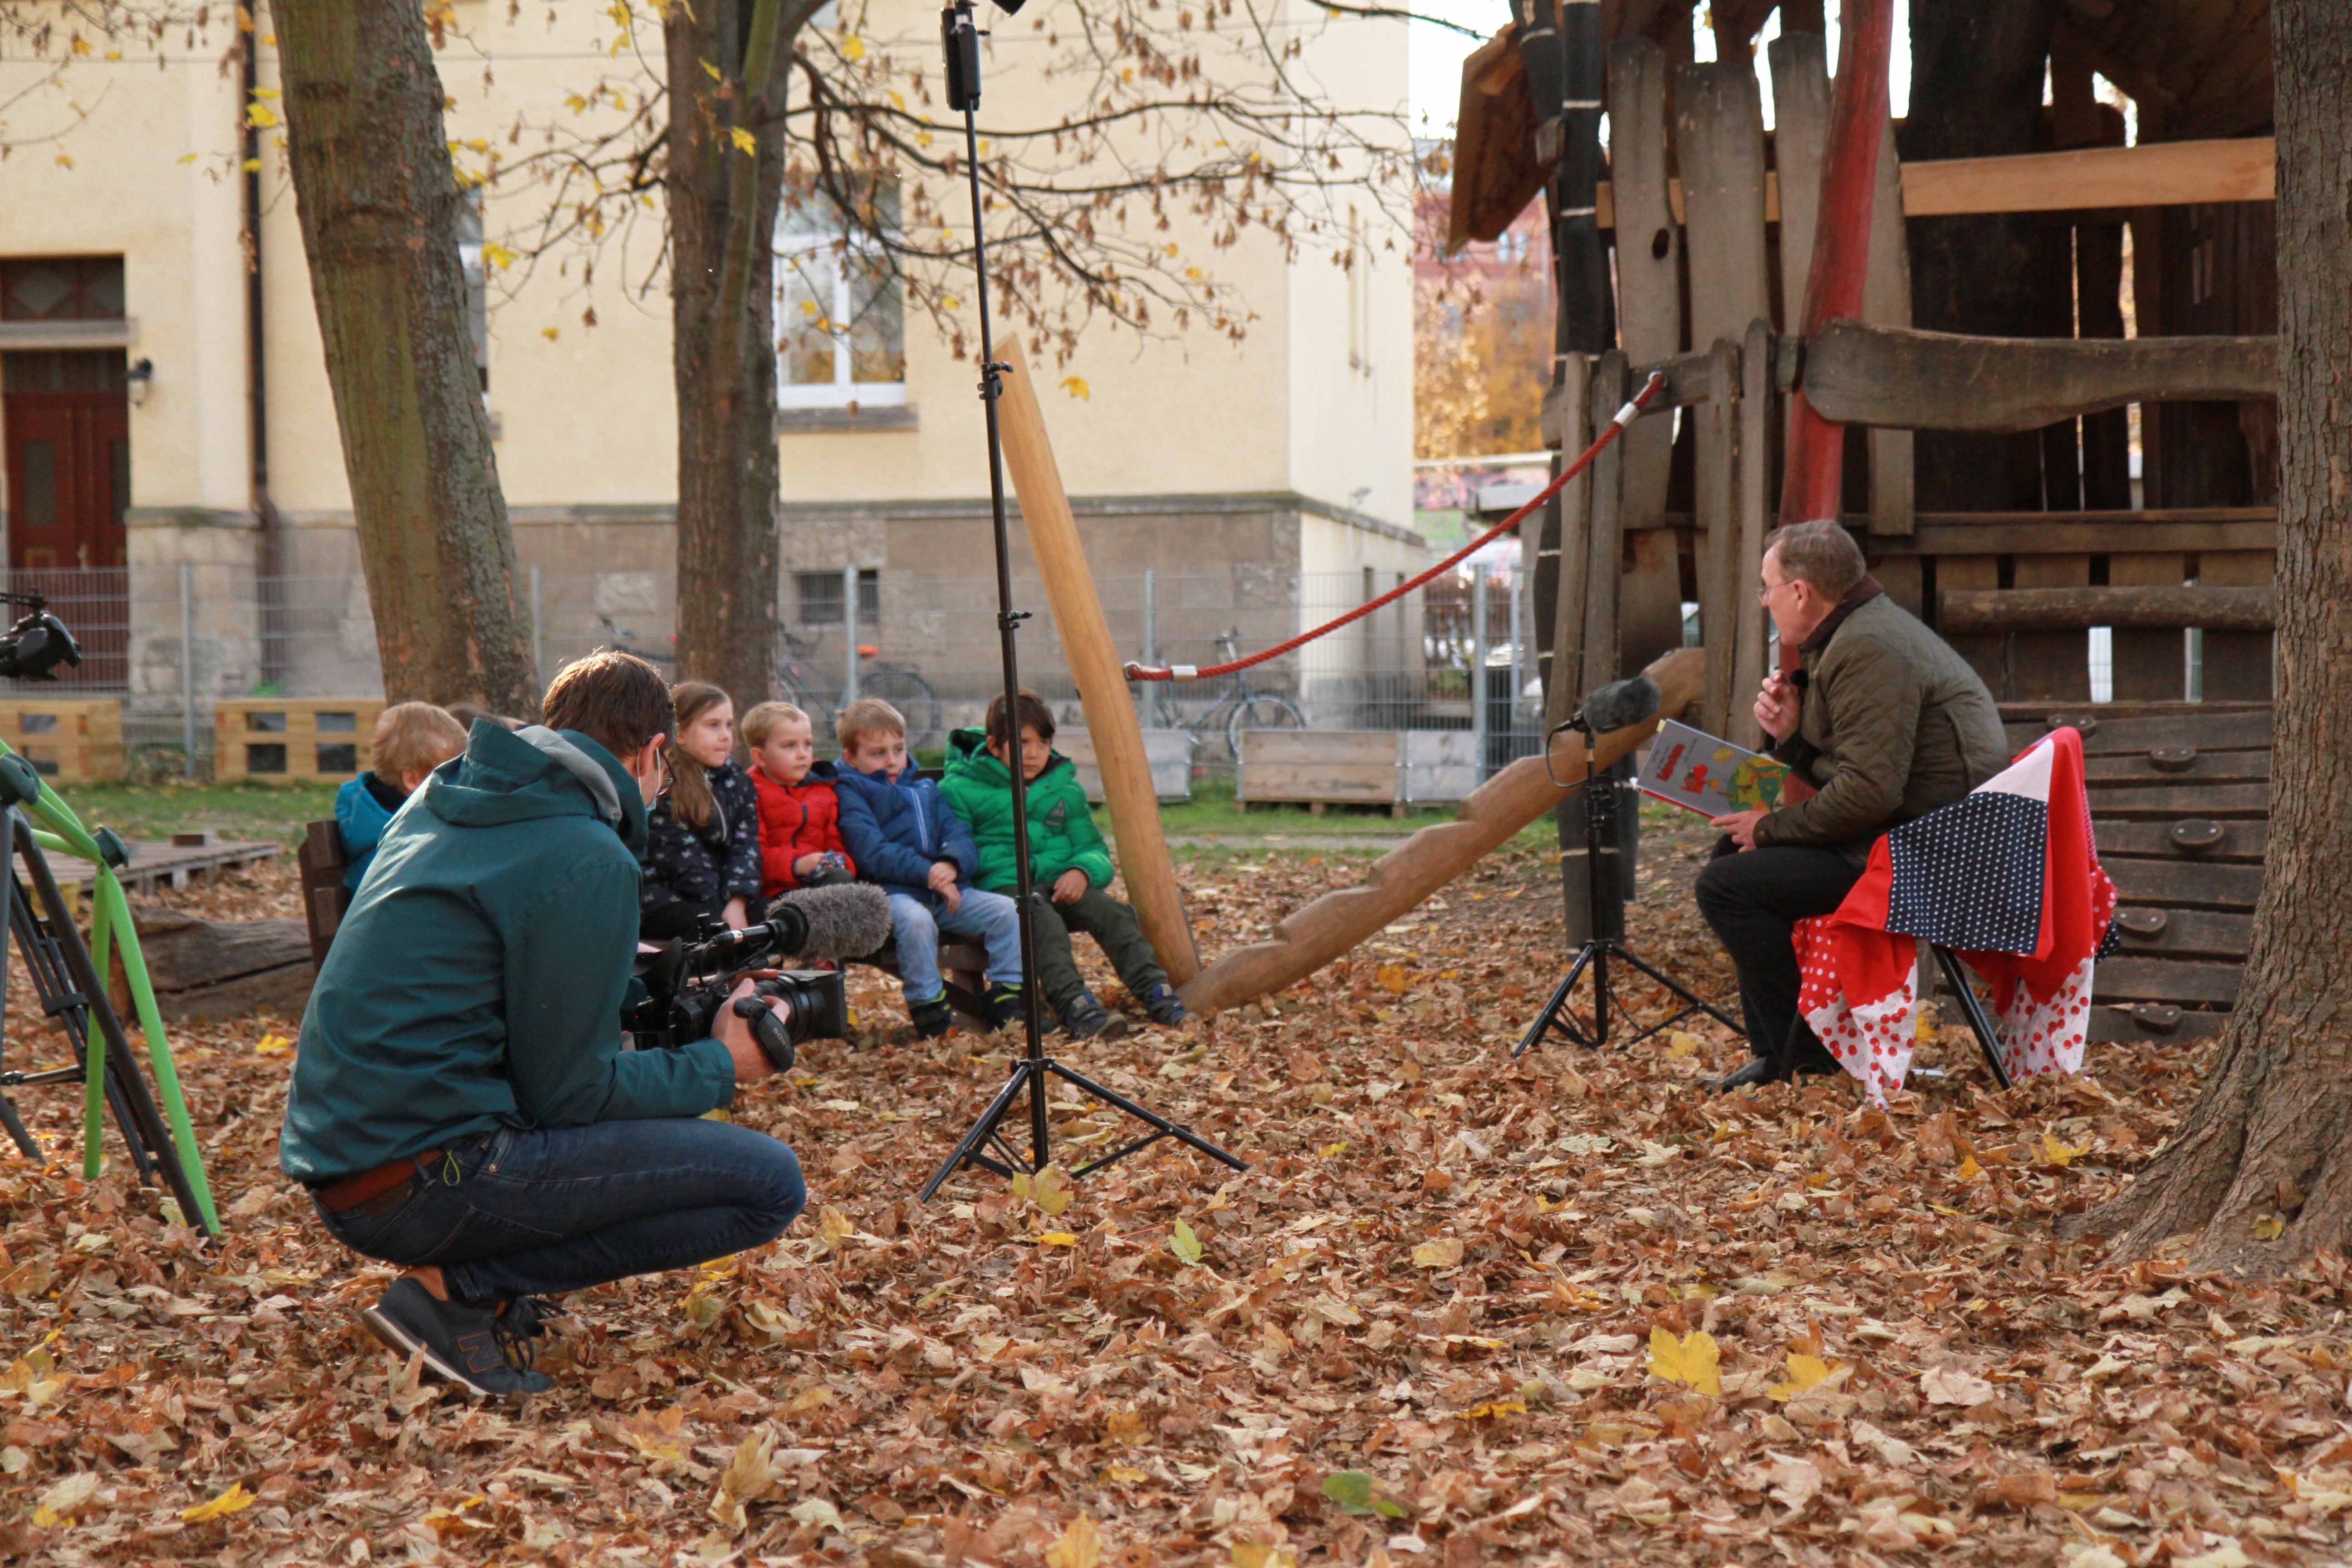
(1085, 1018)
(482, 1350)
(1162, 1006)
(1004, 1006)
(1758, 1070)
(932, 1018)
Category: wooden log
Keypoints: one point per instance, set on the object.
(1750, 628)
(1716, 498)
(2151, 176)
(1887, 302)
(1095, 667)
(1649, 259)
(1719, 138)
(1961, 610)
(1328, 928)
(1860, 374)
(217, 970)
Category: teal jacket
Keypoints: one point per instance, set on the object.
(1062, 832)
(475, 982)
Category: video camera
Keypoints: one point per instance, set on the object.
(34, 647)
(686, 981)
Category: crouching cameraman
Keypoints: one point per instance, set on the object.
(461, 1104)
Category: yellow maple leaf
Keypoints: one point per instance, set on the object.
(1122, 1473)
(1445, 1252)
(261, 116)
(1804, 1371)
(1057, 1239)
(2062, 1154)
(1682, 1044)
(2270, 1227)
(1391, 978)
(1052, 1189)
(744, 139)
(497, 256)
(230, 1501)
(1076, 385)
(1970, 1170)
(1693, 1360)
(853, 48)
(1080, 1546)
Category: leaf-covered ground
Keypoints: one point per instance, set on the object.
(1459, 1311)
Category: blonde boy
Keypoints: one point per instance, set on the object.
(411, 740)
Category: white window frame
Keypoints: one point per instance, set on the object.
(841, 391)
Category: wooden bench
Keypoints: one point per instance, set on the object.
(293, 740)
(1323, 768)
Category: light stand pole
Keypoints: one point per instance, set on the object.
(959, 35)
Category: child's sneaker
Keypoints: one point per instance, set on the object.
(1085, 1018)
(932, 1018)
(1004, 1006)
(1160, 1004)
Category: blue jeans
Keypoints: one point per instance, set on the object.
(989, 918)
(513, 1213)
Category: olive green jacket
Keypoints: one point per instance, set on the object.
(1894, 725)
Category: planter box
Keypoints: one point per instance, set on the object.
(1169, 753)
(1323, 767)
(73, 739)
(293, 740)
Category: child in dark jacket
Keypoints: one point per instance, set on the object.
(702, 853)
(799, 814)
(1069, 865)
(904, 837)
(411, 740)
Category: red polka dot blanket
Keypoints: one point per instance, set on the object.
(2009, 879)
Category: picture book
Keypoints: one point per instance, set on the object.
(1713, 777)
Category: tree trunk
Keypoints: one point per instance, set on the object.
(722, 206)
(2267, 1142)
(380, 208)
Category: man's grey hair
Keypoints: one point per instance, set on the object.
(1820, 552)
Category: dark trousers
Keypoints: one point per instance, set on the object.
(1754, 898)
(1109, 922)
(513, 1213)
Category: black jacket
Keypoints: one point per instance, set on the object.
(710, 865)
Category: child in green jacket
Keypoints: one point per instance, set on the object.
(1069, 865)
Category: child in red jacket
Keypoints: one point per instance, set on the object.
(800, 821)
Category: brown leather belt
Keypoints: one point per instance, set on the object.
(352, 1191)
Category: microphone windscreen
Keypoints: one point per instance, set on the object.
(847, 921)
(1622, 703)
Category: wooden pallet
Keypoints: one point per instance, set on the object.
(293, 740)
(73, 739)
(1323, 768)
(2179, 806)
(176, 864)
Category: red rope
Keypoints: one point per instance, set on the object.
(1625, 416)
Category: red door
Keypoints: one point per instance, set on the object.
(69, 479)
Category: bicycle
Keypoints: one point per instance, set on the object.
(901, 685)
(1244, 706)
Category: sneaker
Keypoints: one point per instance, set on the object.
(1004, 1006)
(932, 1018)
(1085, 1018)
(1160, 1005)
(482, 1350)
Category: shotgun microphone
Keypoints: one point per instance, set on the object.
(1618, 705)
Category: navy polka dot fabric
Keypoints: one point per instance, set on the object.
(1970, 875)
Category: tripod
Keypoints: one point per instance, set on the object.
(68, 980)
(1600, 825)
(1035, 1071)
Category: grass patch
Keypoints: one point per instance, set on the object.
(232, 810)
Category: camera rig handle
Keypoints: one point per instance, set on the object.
(768, 1031)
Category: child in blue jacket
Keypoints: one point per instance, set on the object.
(900, 834)
(411, 740)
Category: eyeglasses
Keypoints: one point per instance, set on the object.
(1764, 595)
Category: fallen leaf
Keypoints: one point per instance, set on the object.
(1183, 1243)
(1445, 1252)
(1804, 1373)
(1079, 1546)
(1355, 1492)
(1950, 1385)
(1692, 1360)
(230, 1501)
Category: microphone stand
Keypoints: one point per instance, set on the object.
(1035, 1069)
(1600, 825)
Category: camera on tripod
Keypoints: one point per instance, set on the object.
(686, 981)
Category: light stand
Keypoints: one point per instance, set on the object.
(1599, 826)
(959, 35)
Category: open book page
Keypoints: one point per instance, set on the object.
(1702, 773)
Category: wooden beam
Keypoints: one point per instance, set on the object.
(1095, 666)
(1892, 376)
(2158, 174)
(2071, 538)
(1964, 610)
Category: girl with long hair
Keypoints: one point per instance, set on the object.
(702, 854)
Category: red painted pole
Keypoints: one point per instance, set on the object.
(1841, 248)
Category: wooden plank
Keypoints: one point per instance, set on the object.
(1650, 601)
(1755, 521)
(1095, 665)
(2240, 841)
(1604, 539)
(2025, 608)
(2238, 661)
(1561, 665)
(2152, 175)
(1716, 487)
(1719, 139)
(2107, 731)
(1857, 373)
(2158, 980)
(2183, 883)
(1801, 130)
(2053, 665)
(1902, 578)
(2201, 766)
(1320, 748)
(1649, 260)
(1986, 654)
(2171, 803)
(2204, 933)
(2130, 1026)
(1335, 782)
(1887, 301)
(2087, 537)
(2154, 663)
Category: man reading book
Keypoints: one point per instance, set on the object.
(1885, 721)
